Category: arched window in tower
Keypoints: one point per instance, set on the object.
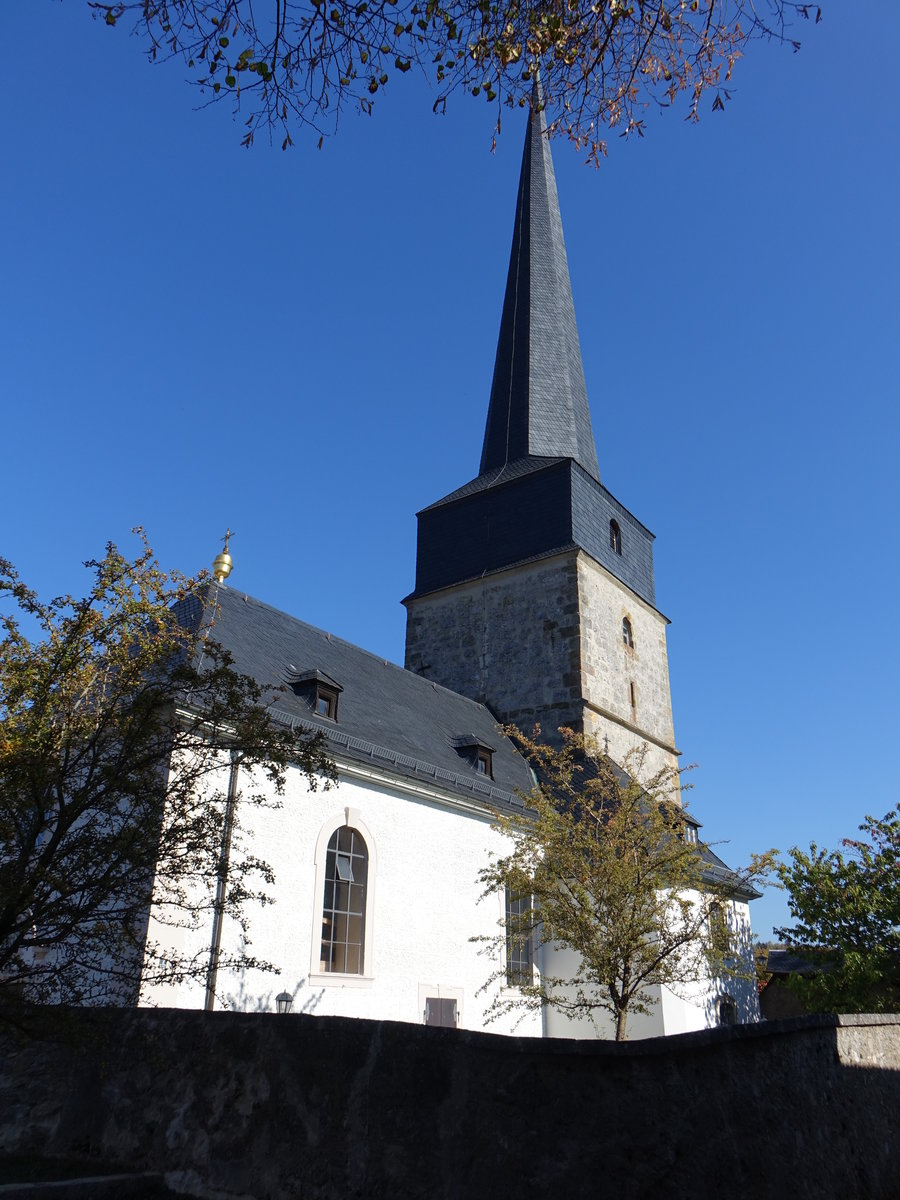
(627, 633)
(615, 537)
(344, 905)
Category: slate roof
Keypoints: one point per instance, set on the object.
(530, 509)
(496, 477)
(538, 491)
(387, 717)
(539, 402)
(718, 872)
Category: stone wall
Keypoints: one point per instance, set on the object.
(510, 640)
(609, 668)
(277, 1108)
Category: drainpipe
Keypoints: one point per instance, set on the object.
(221, 885)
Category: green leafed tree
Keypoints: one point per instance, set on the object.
(603, 64)
(122, 723)
(845, 905)
(611, 872)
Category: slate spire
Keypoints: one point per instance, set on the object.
(539, 403)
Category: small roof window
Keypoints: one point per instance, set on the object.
(478, 753)
(319, 690)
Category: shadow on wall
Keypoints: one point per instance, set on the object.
(731, 1002)
(328, 1108)
(264, 1002)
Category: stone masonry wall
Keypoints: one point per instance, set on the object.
(324, 1108)
(510, 640)
(609, 667)
(543, 642)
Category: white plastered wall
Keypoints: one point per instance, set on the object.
(425, 849)
(684, 1009)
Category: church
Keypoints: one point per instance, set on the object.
(534, 601)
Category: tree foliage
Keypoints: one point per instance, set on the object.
(120, 719)
(846, 910)
(612, 877)
(602, 62)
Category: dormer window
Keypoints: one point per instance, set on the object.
(478, 753)
(319, 690)
(615, 537)
(326, 702)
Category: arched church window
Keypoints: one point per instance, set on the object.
(344, 904)
(615, 537)
(627, 634)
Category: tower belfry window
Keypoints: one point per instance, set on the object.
(627, 633)
(615, 537)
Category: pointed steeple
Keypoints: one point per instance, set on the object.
(539, 403)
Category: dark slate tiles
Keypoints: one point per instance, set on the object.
(533, 508)
(386, 715)
(538, 402)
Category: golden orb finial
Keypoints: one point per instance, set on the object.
(223, 563)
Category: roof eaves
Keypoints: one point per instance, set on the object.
(406, 765)
(566, 548)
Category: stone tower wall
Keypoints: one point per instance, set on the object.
(609, 667)
(543, 642)
(510, 640)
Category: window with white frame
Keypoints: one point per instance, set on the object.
(344, 903)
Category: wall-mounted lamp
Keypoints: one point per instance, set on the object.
(283, 1002)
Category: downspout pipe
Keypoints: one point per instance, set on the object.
(221, 885)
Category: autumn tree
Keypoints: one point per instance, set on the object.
(122, 724)
(602, 858)
(603, 64)
(845, 905)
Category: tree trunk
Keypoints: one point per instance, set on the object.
(621, 1018)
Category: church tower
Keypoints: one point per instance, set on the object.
(534, 586)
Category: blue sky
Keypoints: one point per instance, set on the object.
(300, 346)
